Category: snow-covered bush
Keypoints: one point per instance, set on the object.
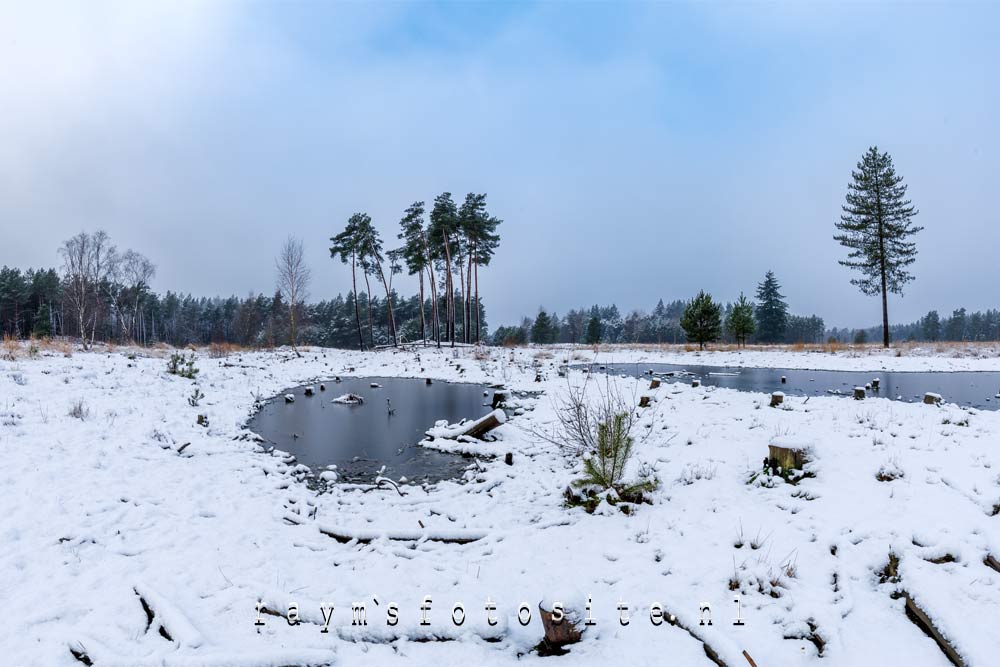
(889, 471)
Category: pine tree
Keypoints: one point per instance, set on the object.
(876, 226)
(347, 245)
(481, 239)
(739, 322)
(702, 320)
(444, 231)
(594, 330)
(771, 311)
(416, 254)
(541, 330)
(931, 325)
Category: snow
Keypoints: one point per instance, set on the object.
(136, 501)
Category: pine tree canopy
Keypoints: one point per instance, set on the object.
(876, 226)
(771, 311)
(702, 320)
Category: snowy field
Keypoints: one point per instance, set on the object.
(131, 535)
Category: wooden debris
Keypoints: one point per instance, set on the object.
(923, 621)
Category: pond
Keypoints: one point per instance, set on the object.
(361, 439)
(967, 388)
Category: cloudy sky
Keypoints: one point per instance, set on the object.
(635, 151)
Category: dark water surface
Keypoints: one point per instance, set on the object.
(360, 439)
(967, 388)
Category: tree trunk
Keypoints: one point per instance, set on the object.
(434, 292)
(357, 311)
(371, 318)
(423, 336)
(450, 296)
(388, 302)
(476, 249)
(881, 255)
(468, 301)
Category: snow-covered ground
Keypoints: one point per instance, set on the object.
(131, 502)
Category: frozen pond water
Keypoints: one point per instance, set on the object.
(967, 388)
(360, 439)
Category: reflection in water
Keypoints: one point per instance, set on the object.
(965, 388)
(360, 439)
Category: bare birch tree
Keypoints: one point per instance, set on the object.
(293, 282)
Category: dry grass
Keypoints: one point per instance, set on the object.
(11, 347)
(223, 350)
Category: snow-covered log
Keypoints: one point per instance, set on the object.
(349, 399)
(452, 536)
(930, 398)
(475, 429)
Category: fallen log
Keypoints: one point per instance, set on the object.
(454, 536)
(475, 429)
(923, 621)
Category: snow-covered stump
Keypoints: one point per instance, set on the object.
(561, 628)
(787, 454)
(499, 397)
(654, 383)
(930, 398)
(783, 379)
(875, 383)
(696, 383)
(644, 401)
(289, 398)
(859, 393)
(309, 391)
(777, 398)
(428, 381)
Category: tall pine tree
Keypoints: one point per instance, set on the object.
(876, 226)
(772, 311)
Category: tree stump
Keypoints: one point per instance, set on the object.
(777, 398)
(499, 396)
(930, 398)
(696, 383)
(875, 383)
(561, 633)
(322, 387)
(428, 381)
(644, 401)
(309, 391)
(654, 383)
(509, 458)
(289, 398)
(859, 393)
(786, 457)
(783, 379)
